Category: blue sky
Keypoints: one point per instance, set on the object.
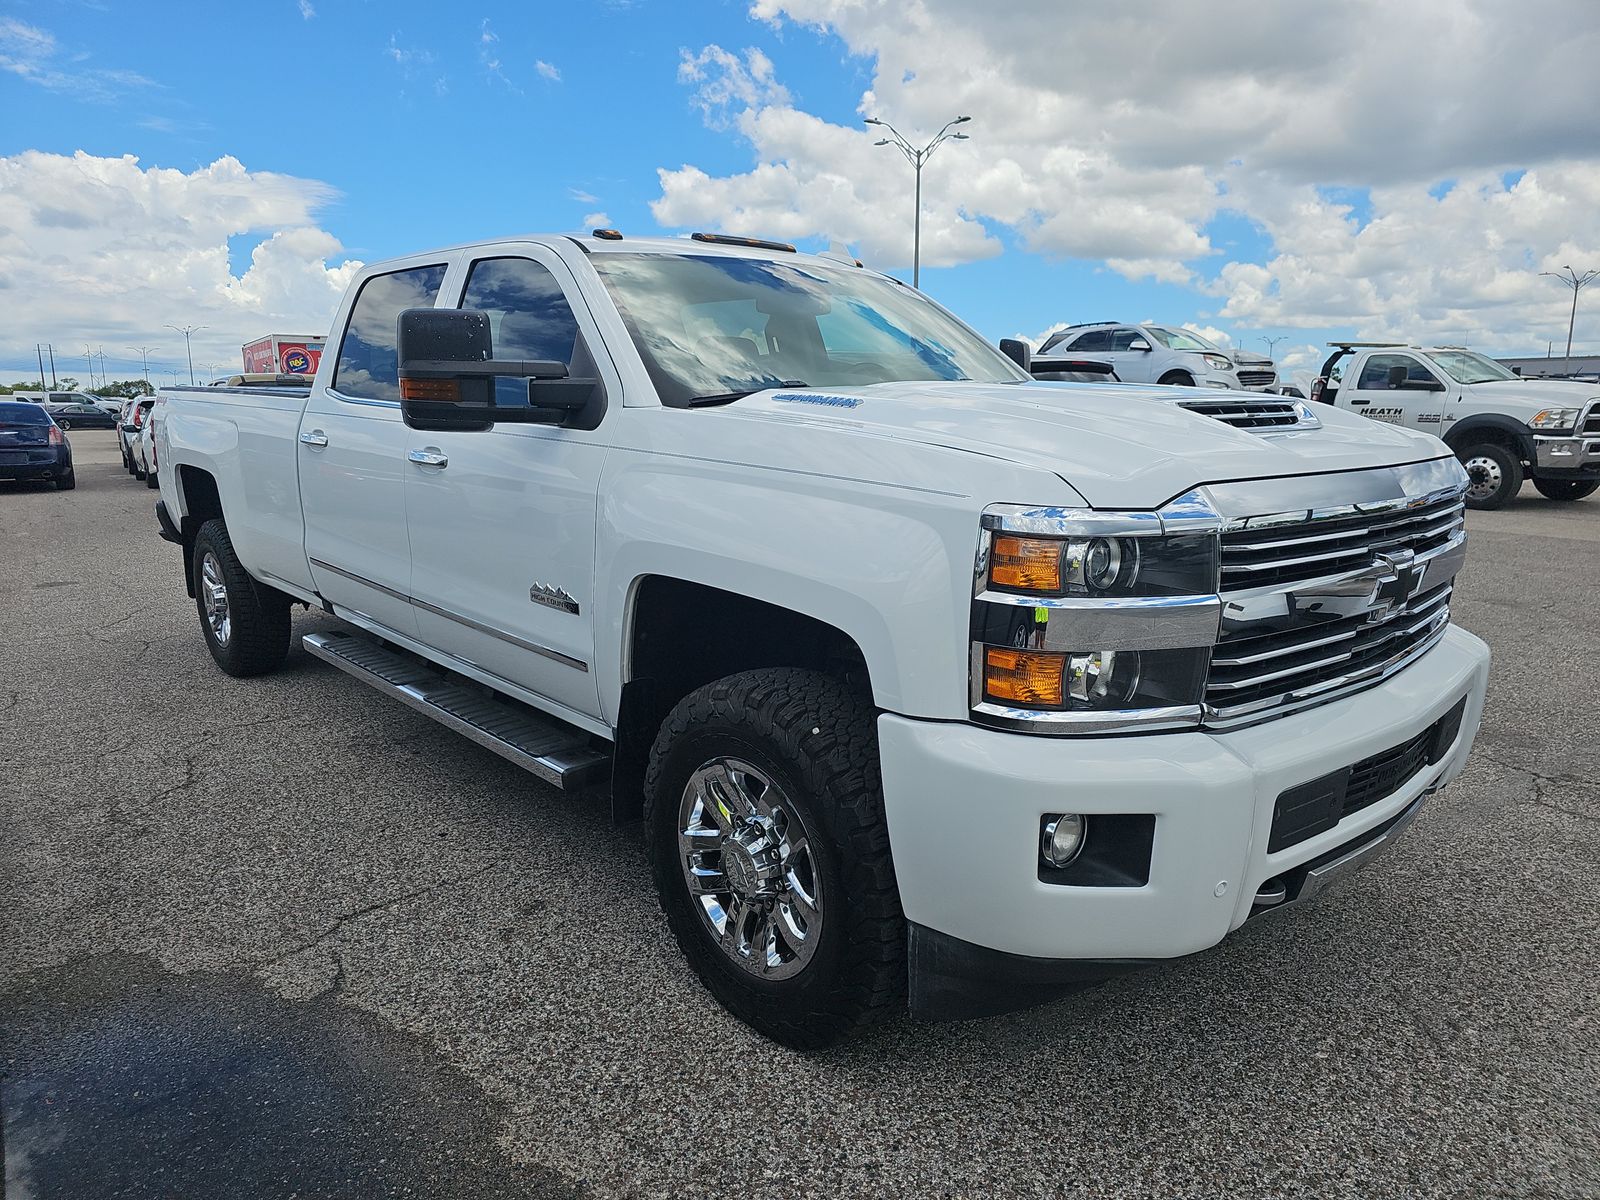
(431, 124)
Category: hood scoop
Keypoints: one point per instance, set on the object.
(1266, 415)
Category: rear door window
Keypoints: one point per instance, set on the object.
(1092, 342)
(369, 362)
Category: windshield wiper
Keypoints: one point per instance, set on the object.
(730, 397)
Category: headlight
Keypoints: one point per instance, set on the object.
(1217, 363)
(1554, 418)
(1091, 622)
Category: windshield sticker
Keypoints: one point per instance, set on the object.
(818, 398)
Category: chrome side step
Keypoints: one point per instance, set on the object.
(556, 753)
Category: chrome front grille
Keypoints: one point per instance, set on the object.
(1248, 414)
(1320, 604)
(1257, 556)
(1591, 423)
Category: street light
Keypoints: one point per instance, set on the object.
(186, 330)
(918, 158)
(1272, 342)
(1577, 283)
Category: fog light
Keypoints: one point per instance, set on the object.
(1062, 838)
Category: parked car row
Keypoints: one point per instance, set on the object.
(134, 439)
(1158, 354)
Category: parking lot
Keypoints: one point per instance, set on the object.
(283, 936)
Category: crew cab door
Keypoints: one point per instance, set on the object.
(1418, 402)
(352, 457)
(502, 521)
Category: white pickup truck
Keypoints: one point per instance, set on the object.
(935, 686)
(1504, 428)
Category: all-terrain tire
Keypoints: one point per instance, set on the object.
(1494, 474)
(1566, 489)
(257, 629)
(818, 743)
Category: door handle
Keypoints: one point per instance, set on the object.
(429, 456)
(314, 437)
(1360, 401)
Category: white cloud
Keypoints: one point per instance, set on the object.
(306, 10)
(547, 71)
(1120, 134)
(107, 251)
(595, 220)
(33, 54)
(583, 197)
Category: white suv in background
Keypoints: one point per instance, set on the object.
(1150, 354)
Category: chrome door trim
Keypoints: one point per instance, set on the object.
(566, 660)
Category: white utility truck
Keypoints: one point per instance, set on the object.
(936, 687)
(1503, 428)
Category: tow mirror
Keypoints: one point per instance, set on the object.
(1018, 351)
(450, 379)
(1139, 344)
(1516, 370)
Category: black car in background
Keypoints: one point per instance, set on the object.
(32, 445)
(83, 416)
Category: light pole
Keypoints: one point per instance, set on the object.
(1576, 282)
(144, 356)
(917, 158)
(186, 330)
(1272, 342)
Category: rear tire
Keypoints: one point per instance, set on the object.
(246, 623)
(1177, 379)
(1494, 475)
(65, 483)
(1566, 489)
(798, 757)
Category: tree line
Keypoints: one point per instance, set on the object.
(121, 389)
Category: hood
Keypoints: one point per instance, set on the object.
(1118, 445)
(1536, 393)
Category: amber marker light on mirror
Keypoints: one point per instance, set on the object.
(430, 389)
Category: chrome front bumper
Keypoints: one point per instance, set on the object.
(1566, 453)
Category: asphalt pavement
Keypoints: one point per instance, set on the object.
(283, 937)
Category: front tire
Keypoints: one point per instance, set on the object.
(1177, 379)
(150, 480)
(246, 623)
(1494, 475)
(64, 424)
(1566, 489)
(763, 789)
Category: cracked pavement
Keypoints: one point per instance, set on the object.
(283, 937)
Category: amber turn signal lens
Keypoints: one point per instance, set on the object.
(1026, 564)
(430, 389)
(1028, 677)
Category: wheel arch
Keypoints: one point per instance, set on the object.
(1494, 428)
(680, 634)
(199, 501)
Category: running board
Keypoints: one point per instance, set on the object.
(556, 753)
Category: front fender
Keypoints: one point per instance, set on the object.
(1469, 430)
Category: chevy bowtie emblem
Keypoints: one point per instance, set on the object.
(1397, 575)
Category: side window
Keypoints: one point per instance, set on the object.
(1375, 375)
(1095, 340)
(369, 365)
(529, 317)
(1123, 339)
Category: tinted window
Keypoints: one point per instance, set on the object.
(1123, 339)
(1375, 375)
(1094, 339)
(12, 413)
(369, 365)
(529, 317)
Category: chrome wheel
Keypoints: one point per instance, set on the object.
(747, 859)
(214, 595)
(1483, 477)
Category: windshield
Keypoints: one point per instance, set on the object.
(1179, 339)
(1466, 367)
(13, 412)
(715, 327)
